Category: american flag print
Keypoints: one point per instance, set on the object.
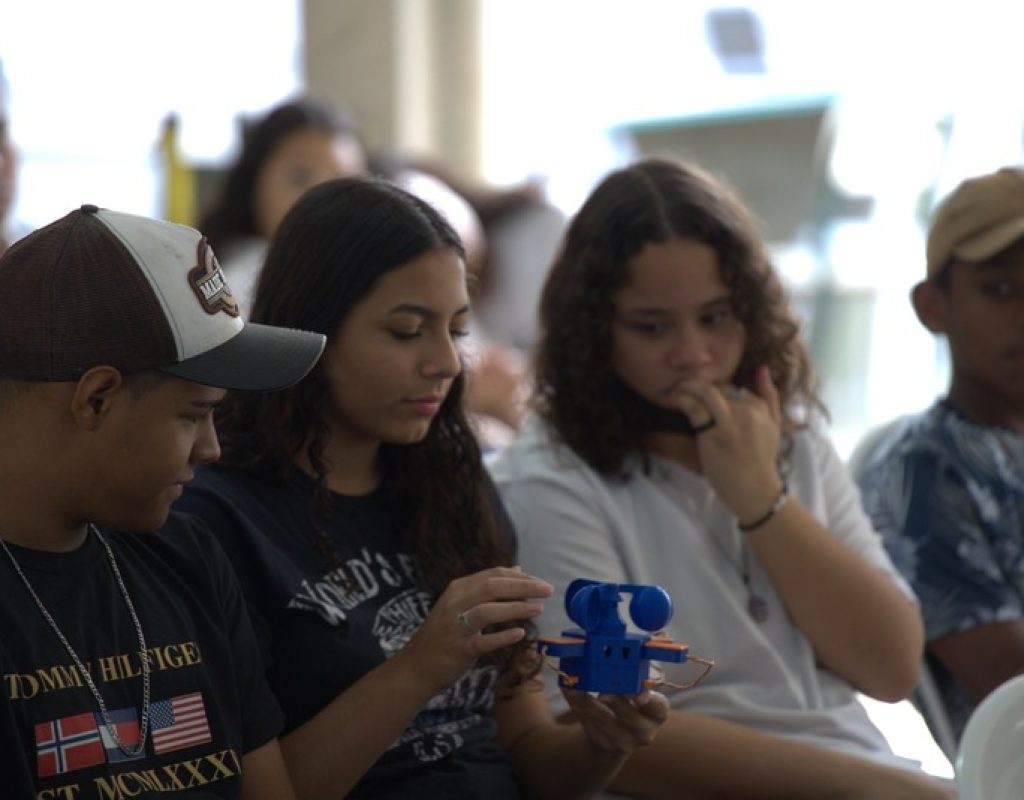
(179, 722)
(67, 744)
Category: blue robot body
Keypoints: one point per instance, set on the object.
(602, 656)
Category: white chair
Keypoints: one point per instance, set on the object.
(990, 763)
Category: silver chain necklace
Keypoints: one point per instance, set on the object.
(128, 750)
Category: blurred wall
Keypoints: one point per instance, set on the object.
(410, 69)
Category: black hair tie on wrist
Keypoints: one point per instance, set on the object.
(780, 501)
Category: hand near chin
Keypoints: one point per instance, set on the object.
(618, 723)
(739, 445)
(460, 627)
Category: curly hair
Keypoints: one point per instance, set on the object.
(329, 251)
(653, 201)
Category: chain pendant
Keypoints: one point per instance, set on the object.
(132, 751)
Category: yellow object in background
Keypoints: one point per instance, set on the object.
(179, 186)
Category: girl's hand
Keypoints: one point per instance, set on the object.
(618, 723)
(454, 636)
(738, 452)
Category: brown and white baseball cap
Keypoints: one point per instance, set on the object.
(100, 287)
(980, 218)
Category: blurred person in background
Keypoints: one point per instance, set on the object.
(945, 486)
(10, 231)
(293, 147)
(303, 142)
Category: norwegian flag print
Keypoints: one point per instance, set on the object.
(66, 744)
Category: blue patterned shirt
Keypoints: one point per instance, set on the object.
(947, 495)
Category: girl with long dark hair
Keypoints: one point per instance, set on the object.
(374, 551)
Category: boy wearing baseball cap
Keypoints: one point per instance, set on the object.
(127, 663)
(947, 490)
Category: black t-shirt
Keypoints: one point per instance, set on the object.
(209, 700)
(323, 628)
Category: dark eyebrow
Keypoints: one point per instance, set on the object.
(998, 265)
(654, 311)
(718, 301)
(206, 405)
(647, 312)
(423, 311)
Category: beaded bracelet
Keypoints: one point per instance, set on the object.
(780, 501)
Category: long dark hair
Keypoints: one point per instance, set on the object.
(231, 216)
(654, 200)
(327, 254)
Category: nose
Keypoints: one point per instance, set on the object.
(443, 359)
(688, 349)
(206, 448)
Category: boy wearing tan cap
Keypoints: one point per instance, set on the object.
(128, 667)
(947, 490)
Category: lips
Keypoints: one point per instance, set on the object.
(428, 405)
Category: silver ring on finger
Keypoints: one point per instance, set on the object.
(734, 392)
(463, 619)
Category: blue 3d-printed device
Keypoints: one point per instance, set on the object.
(603, 657)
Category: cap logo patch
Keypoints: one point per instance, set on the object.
(208, 282)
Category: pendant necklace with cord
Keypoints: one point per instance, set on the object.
(757, 606)
(129, 750)
(700, 504)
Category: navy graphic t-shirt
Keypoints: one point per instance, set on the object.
(209, 701)
(323, 628)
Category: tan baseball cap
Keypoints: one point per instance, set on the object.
(981, 217)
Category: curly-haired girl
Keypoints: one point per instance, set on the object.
(674, 444)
